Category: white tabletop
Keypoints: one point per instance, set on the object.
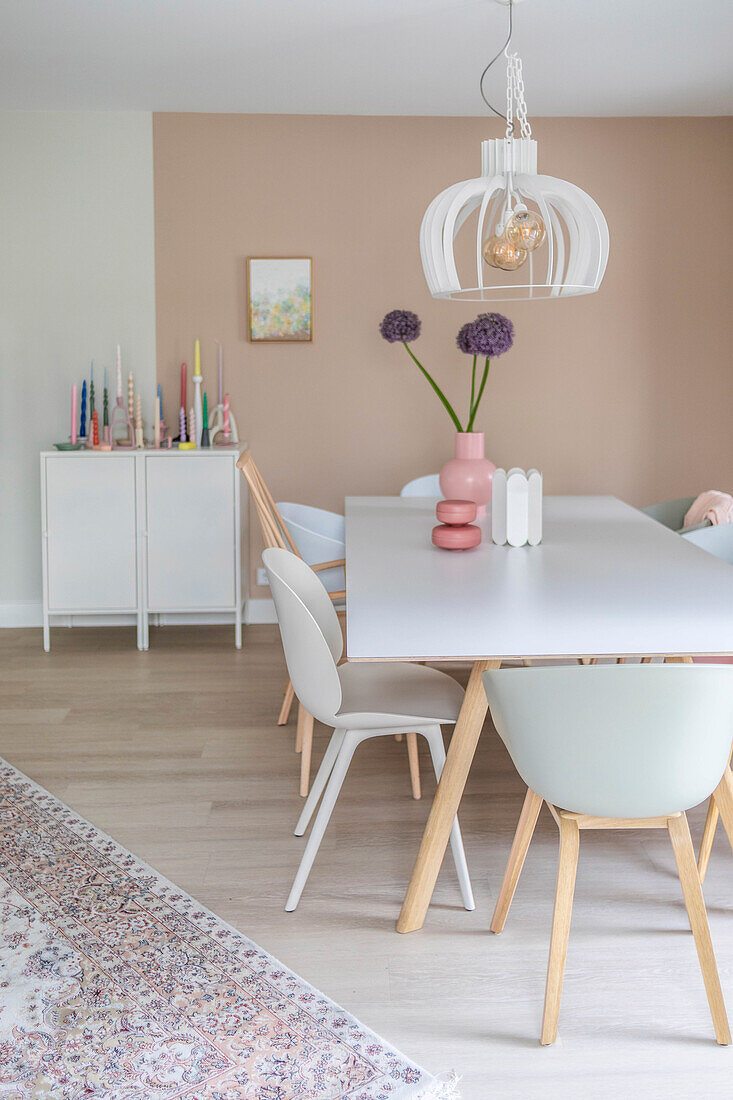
(605, 580)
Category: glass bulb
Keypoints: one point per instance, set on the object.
(502, 253)
(525, 229)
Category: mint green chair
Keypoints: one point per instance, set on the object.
(615, 747)
(670, 513)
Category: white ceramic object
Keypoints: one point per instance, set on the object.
(517, 514)
(534, 507)
(516, 509)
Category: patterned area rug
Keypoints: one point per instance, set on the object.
(115, 984)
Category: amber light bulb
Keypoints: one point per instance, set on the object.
(525, 229)
(502, 253)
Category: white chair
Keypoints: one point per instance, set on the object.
(617, 747)
(409, 699)
(427, 486)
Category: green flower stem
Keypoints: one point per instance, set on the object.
(446, 403)
(474, 409)
(473, 386)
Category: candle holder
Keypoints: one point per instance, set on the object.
(216, 426)
(121, 419)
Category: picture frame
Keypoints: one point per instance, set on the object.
(280, 299)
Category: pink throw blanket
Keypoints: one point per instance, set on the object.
(712, 505)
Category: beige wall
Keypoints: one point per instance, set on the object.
(628, 391)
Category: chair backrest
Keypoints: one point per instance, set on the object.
(616, 740)
(274, 529)
(318, 534)
(427, 486)
(717, 540)
(310, 631)
(671, 513)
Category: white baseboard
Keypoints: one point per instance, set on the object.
(25, 613)
(259, 611)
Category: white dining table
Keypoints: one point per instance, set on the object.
(606, 581)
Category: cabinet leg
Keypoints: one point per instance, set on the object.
(46, 634)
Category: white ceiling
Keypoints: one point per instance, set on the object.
(421, 57)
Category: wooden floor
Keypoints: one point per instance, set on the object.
(175, 753)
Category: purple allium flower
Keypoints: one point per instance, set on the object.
(400, 325)
(491, 334)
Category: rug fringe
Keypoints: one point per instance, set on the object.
(444, 1087)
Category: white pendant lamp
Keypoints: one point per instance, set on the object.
(535, 236)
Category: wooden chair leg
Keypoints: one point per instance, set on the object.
(398, 736)
(567, 866)
(303, 717)
(684, 854)
(284, 715)
(723, 795)
(520, 847)
(588, 660)
(646, 660)
(414, 761)
(708, 836)
(711, 821)
(305, 755)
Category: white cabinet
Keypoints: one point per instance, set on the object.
(141, 533)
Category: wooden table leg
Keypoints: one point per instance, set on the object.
(447, 798)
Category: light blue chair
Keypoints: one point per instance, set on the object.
(670, 513)
(427, 486)
(717, 540)
(320, 536)
(615, 747)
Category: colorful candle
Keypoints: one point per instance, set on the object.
(157, 421)
(83, 417)
(105, 407)
(221, 378)
(196, 358)
(130, 396)
(160, 398)
(182, 423)
(95, 428)
(73, 413)
(139, 411)
(183, 386)
(226, 415)
(192, 425)
(91, 391)
(119, 373)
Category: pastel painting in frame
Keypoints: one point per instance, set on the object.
(280, 299)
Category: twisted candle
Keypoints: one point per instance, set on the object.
(95, 428)
(156, 421)
(139, 411)
(91, 391)
(130, 396)
(226, 416)
(73, 413)
(192, 426)
(83, 418)
(182, 423)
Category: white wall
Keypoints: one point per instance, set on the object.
(76, 276)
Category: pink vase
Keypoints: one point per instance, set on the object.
(468, 475)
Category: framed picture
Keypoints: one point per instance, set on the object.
(280, 298)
